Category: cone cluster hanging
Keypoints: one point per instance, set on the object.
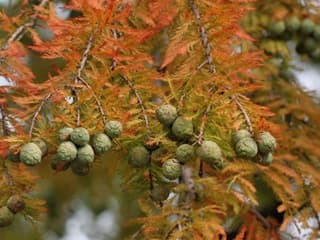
(15, 204)
(77, 149)
(181, 130)
(246, 147)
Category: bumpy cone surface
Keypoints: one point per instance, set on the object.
(42, 145)
(80, 168)
(16, 204)
(64, 134)
(6, 216)
(80, 136)
(266, 142)
(30, 154)
(139, 156)
(182, 129)
(246, 148)
(171, 169)
(66, 151)
(113, 129)
(185, 153)
(85, 154)
(101, 143)
(209, 152)
(237, 135)
(166, 114)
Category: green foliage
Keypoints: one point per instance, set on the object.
(125, 61)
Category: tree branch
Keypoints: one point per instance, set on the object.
(146, 121)
(77, 79)
(207, 48)
(37, 112)
(84, 58)
(206, 45)
(244, 113)
(5, 130)
(7, 173)
(5, 133)
(99, 104)
(140, 102)
(17, 35)
(261, 218)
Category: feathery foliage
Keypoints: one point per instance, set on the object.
(122, 60)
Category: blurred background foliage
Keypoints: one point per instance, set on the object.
(95, 206)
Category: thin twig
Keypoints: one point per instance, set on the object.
(261, 218)
(141, 104)
(16, 35)
(76, 99)
(7, 173)
(205, 43)
(5, 133)
(171, 230)
(202, 64)
(37, 112)
(207, 48)
(146, 121)
(136, 234)
(5, 130)
(84, 57)
(114, 63)
(244, 113)
(99, 104)
(203, 123)
(77, 79)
